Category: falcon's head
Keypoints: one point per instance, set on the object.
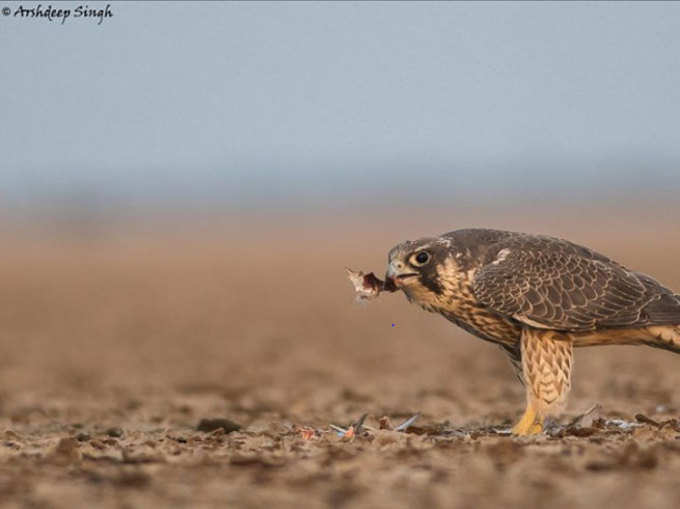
(422, 268)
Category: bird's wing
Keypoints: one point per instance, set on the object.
(566, 287)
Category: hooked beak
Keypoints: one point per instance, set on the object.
(396, 273)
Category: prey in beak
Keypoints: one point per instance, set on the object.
(368, 286)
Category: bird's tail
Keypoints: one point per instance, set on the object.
(664, 336)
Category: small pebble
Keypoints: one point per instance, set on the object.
(114, 432)
(213, 424)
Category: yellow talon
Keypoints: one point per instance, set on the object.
(529, 424)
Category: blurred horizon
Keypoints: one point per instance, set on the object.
(304, 107)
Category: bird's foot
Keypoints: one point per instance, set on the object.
(530, 423)
(532, 429)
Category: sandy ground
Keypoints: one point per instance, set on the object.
(114, 347)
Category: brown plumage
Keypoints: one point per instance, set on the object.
(536, 297)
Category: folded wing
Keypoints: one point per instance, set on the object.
(554, 284)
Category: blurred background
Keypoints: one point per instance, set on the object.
(182, 185)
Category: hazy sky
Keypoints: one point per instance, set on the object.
(265, 99)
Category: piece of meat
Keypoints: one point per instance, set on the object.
(368, 286)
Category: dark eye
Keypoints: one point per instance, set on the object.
(421, 258)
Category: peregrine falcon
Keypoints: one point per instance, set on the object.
(536, 297)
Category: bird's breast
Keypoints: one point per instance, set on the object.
(457, 302)
(462, 308)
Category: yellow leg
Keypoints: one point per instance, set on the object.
(546, 371)
(530, 424)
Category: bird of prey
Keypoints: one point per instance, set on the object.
(535, 296)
